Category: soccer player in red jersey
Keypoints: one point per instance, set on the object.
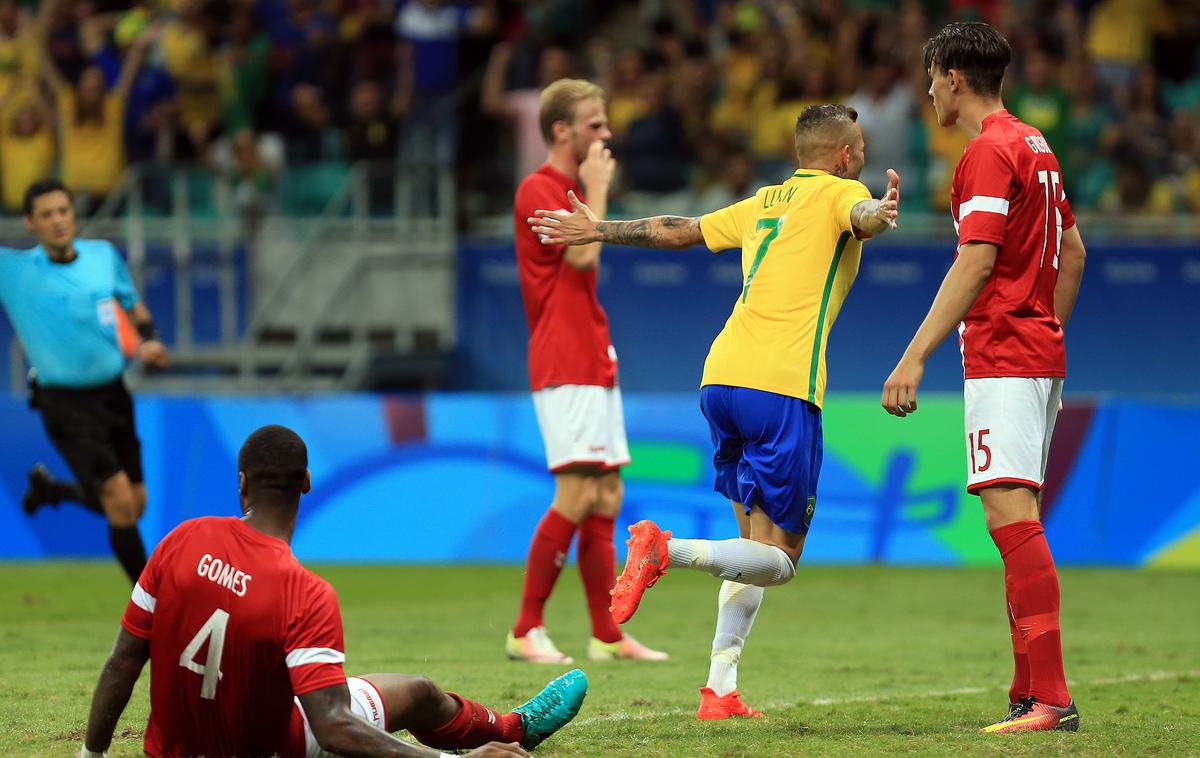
(246, 648)
(1010, 292)
(573, 374)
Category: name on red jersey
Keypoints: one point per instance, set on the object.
(225, 574)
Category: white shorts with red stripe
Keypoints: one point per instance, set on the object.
(1009, 421)
(365, 703)
(582, 423)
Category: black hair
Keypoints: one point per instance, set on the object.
(274, 458)
(39, 188)
(976, 49)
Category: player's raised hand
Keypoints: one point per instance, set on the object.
(596, 171)
(900, 389)
(498, 750)
(574, 227)
(889, 205)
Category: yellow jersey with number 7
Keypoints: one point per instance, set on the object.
(799, 257)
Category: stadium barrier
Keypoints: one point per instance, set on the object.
(665, 307)
(460, 477)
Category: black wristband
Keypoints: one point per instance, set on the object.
(147, 331)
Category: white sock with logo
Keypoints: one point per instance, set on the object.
(739, 560)
(737, 605)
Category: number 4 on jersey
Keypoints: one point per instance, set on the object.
(213, 631)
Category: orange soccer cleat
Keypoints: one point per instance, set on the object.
(715, 707)
(645, 565)
(1028, 715)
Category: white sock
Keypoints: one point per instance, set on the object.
(737, 605)
(739, 560)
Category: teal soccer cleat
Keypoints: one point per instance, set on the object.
(552, 708)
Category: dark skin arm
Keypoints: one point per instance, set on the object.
(120, 673)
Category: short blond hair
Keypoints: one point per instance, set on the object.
(559, 100)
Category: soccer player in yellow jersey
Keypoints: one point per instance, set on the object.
(764, 379)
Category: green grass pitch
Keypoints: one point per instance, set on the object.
(844, 660)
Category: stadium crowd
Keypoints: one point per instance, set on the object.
(702, 94)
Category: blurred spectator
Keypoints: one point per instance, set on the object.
(150, 111)
(91, 124)
(1040, 101)
(622, 86)
(26, 141)
(1118, 38)
(311, 137)
(521, 106)
(370, 130)
(18, 47)
(736, 181)
(429, 32)
(189, 57)
(654, 155)
(243, 65)
(1135, 189)
(885, 114)
(253, 168)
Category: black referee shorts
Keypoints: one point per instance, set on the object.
(92, 428)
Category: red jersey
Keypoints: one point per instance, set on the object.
(568, 331)
(1008, 192)
(236, 627)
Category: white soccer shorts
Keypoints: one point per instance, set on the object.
(365, 703)
(1009, 423)
(582, 424)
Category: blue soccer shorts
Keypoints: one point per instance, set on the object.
(767, 451)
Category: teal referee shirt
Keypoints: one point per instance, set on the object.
(64, 313)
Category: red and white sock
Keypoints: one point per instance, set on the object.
(548, 552)
(474, 725)
(1032, 585)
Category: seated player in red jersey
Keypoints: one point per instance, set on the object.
(247, 650)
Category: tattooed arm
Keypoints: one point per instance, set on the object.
(581, 227)
(672, 232)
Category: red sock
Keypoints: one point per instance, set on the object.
(597, 561)
(1032, 586)
(547, 553)
(1020, 683)
(472, 726)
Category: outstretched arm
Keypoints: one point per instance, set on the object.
(581, 227)
(872, 217)
(120, 673)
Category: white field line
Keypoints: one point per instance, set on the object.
(1154, 676)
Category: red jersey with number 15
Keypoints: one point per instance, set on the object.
(236, 627)
(1008, 192)
(568, 330)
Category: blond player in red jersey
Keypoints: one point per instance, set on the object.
(573, 375)
(1010, 293)
(246, 648)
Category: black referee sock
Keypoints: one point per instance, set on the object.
(127, 546)
(63, 489)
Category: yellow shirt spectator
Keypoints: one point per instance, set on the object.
(26, 150)
(93, 152)
(1118, 31)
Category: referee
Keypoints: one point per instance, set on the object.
(62, 297)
